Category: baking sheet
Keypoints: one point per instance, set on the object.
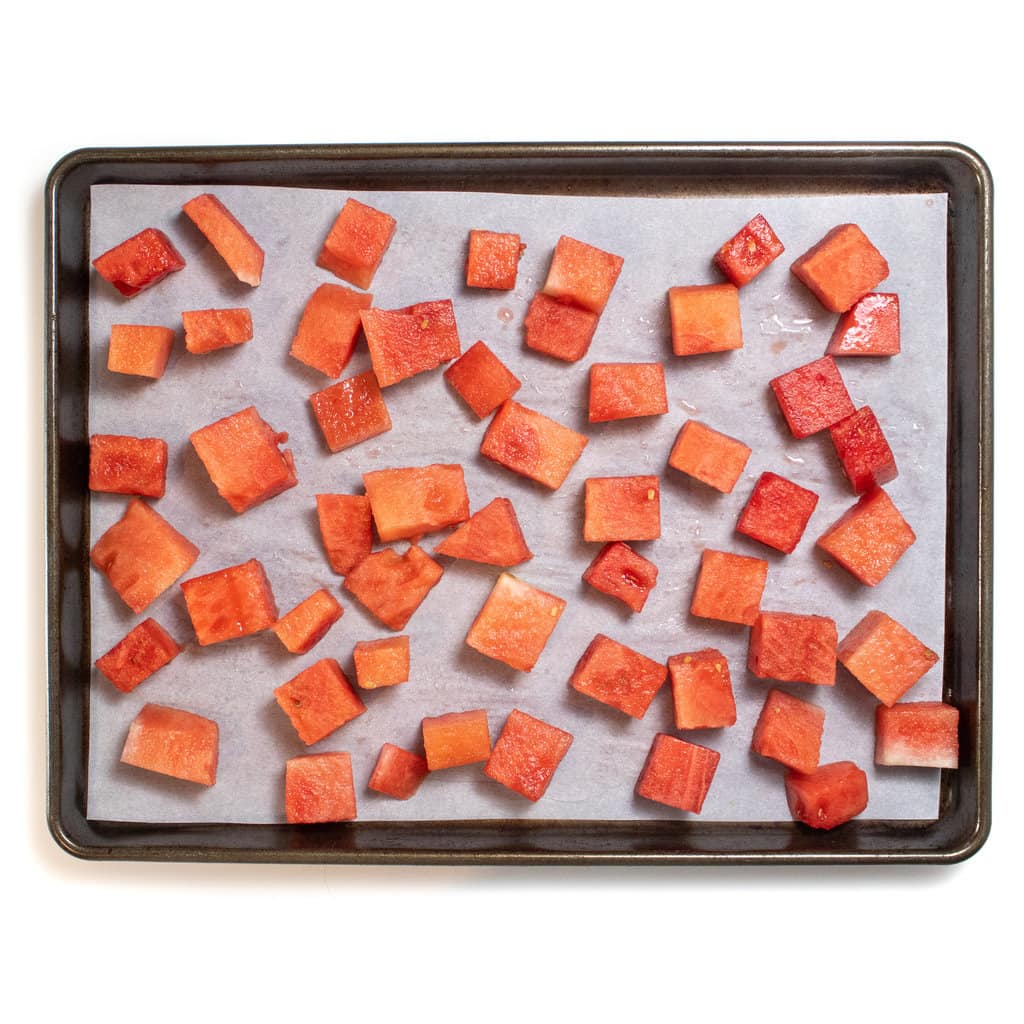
(665, 242)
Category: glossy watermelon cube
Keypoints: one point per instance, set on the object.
(789, 731)
(382, 662)
(207, 330)
(729, 587)
(411, 340)
(777, 512)
(863, 451)
(705, 318)
(173, 742)
(346, 529)
(133, 659)
(139, 262)
(885, 657)
(308, 622)
(329, 328)
(677, 773)
(749, 251)
(527, 754)
(622, 508)
(119, 464)
(229, 603)
(456, 739)
(558, 329)
(582, 274)
(141, 350)
(709, 456)
(398, 772)
(415, 500)
(356, 243)
(481, 379)
(812, 397)
(702, 690)
(829, 796)
(319, 700)
(620, 391)
(618, 676)
(392, 586)
(318, 788)
(142, 555)
(532, 445)
(917, 734)
(870, 328)
(493, 259)
(491, 535)
(620, 572)
(793, 648)
(235, 246)
(842, 268)
(351, 411)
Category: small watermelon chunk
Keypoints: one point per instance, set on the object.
(229, 603)
(235, 246)
(414, 339)
(793, 648)
(318, 788)
(789, 731)
(620, 572)
(559, 330)
(702, 690)
(139, 262)
(622, 508)
(582, 274)
(527, 754)
(119, 464)
(346, 528)
(141, 350)
(749, 251)
(207, 330)
(329, 328)
(491, 535)
(319, 700)
(842, 268)
(493, 260)
(829, 796)
(381, 662)
(351, 411)
(709, 456)
(356, 243)
(618, 676)
(308, 622)
(392, 586)
(863, 451)
(398, 772)
(134, 658)
(705, 318)
(620, 391)
(870, 328)
(729, 587)
(412, 501)
(456, 739)
(917, 734)
(777, 512)
(173, 742)
(481, 379)
(812, 397)
(677, 773)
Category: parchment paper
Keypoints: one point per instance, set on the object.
(665, 242)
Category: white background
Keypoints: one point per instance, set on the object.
(155, 942)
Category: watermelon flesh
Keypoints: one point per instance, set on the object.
(346, 529)
(456, 739)
(705, 318)
(677, 773)
(829, 796)
(351, 411)
(709, 456)
(863, 451)
(147, 648)
(410, 502)
(381, 662)
(870, 328)
(392, 586)
(842, 268)
(357, 242)
(207, 330)
(308, 622)
(329, 328)
(812, 397)
(789, 731)
(230, 603)
(702, 690)
(559, 330)
(620, 572)
(481, 379)
(793, 648)
(141, 350)
(582, 274)
(729, 587)
(622, 508)
(491, 536)
(493, 259)
(398, 772)
(225, 233)
(139, 262)
(616, 675)
(119, 464)
(319, 700)
(318, 788)
(749, 251)
(414, 339)
(917, 734)
(526, 754)
(621, 391)
(173, 742)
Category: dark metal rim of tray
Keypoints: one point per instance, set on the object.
(604, 169)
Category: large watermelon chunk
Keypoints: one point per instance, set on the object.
(492, 536)
(677, 773)
(207, 330)
(493, 259)
(622, 508)
(173, 742)
(777, 512)
(705, 318)
(582, 274)
(133, 659)
(319, 700)
(729, 587)
(456, 739)
(618, 676)
(393, 586)
(829, 796)
(410, 502)
(141, 350)
(527, 754)
(381, 662)
(308, 622)
(318, 788)
(749, 251)
(235, 246)
(917, 734)
(346, 528)
(356, 243)
(812, 397)
(139, 262)
(620, 572)
(870, 328)
(411, 340)
(863, 451)
(709, 456)
(119, 464)
(229, 603)
(789, 731)
(793, 648)
(842, 268)
(620, 391)
(559, 330)
(329, 328)
(351, 411)
(702, 690)
(398, 772)
(481, 379)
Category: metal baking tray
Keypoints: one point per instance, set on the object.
(582, 169)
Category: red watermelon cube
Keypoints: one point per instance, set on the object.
(618, 676)
(829, 796)
(870, 328)
(709, 456)
(398, 773)
(141, 350)
(351, 411)
(702, 690)
(705, 318)
(777, 512)
(677, 773)
(558, 329)
(346, 529)
(917, 734)
(173, 742)
(793, 648)
(481, 379)
(119, 464)
(329, 328)
(308, 622)
(382, 662)
(456, 739)
(414, 339)
(133, 659)
(410, 502)
(491, 536)
(812, 397)
(207, 330)
(493, 260)
(620, 391)
(356, 243)
(582, 274)
(229, 603)
(319, 700)
(318, 788)
(620, 572)
(789, 731)
(139, 262)
(863, 451)
(749, 251)
(622, 508)
(392, 586)
(527, 754)
(729, 587)
(235, 246)
(842, 268)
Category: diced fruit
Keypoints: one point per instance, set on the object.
(207, 330)
(677, 773)
(702, 690)
(870, 538)
(127, 465)
(319, 700)
(711, 457)
(917, 734)
(138, 655)
(842, 268)
(619, 391)
(829, 796)
(232, 602)
(139, 262)
(870, 328)
(482, 380)
(532, 445)
(493, 260)
(241, 454)
(456, 739)
(789, 731)
(812, 397)
(139, 349)
(884, 656)
(491, 536)
(318, 788)
(618, 676)
(777, 512)
(142, 555)
(235, 246)
(173, 742)
(329, 328)
(351, 411)
(623, 574)
(411, 340)
(793, 648)
(382, 662)
(729, 587)
(559, 330)
(308, 622)
(515, 622)
(346, 528)
(392, 586)
(863, 451)
(749, 251)
(582, 274)
(398, 773)
(412, 501)
(527, 754)
(356, 243)
(705, 318)
(622, 508)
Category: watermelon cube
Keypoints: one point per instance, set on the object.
(491, 536)
(559, 330)
(493, 260)
(481, 379)
(620, 572)
(793, 648)
(842, 268)
(207, 330)
(392, 586)
(356, 243)
(677, 773)
(173, 742)
(329, 328)
(917, 734)
(870, 328)
(527, 754)
(749, 251)
(622, 508)
(319, 700)
(398, 773)
(141, 350)
(142, 555)
(241, 454)
(789, 731)
(812, 397)
(532, 445)
(139, 262)
(729, 587)
(410, 340)
(382, 662)
(829, 796)
(702, 690)
(229, 603)
(709, 456)
(870, 538)
(777, 512)
(308, 622)
(235, 246)
(133, 659)
(582, 274)
(456, 739)
(705, 318)
(318, 788)
(620, 391)
(863, 451)
(351, 411)
(119, 464)
(618, 676)
(515, 623)
(346, 528)
(412, 501)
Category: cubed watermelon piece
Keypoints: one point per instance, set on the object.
(582, 274)
(392, 586)
(351, 411)
(119, 464)
(381, 662)
(207, 330)
(141, 350)
(319, 700)
(318, 788)
(842, 268)
(532, 445)
(493, 259)
(777, 512)
(134, 658)
(622, 508)
(885, 657)
(620, 391)
(789, 731)
(870, 328)
(917, 734)
(456, 739)
(863, 451)
(415, 500)
(705, 318)
(527, 754)
(709, 456)
(677, 773)
(515, 622)
(481, 379)
(729, 587)
(139, 262)
(235, 246)
(829, 796)
(356, 243)
(491, 536)
(142, 555)
(623, 574)
(308, 622)
(749, 251)
(559, 330)
(346, 528)
(411, 340)
(812, 397)
(229, 603)
(398, 772)
(173, 742)
(793, 648)
(702, 690)
(618, 676)
(329, 328)
(870, 538)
